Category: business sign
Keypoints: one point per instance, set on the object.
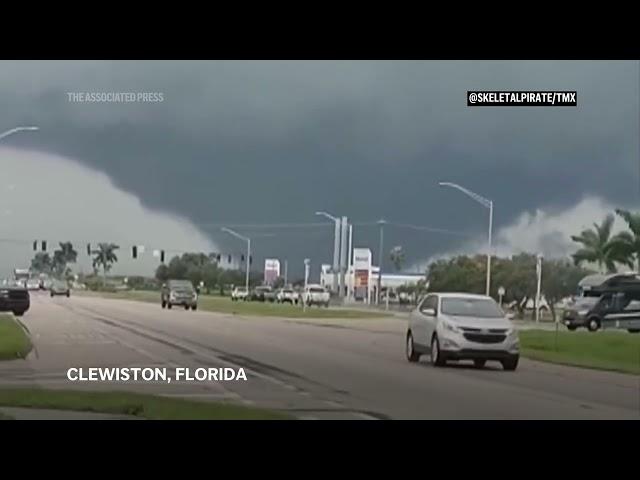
(271, 270)
(361, 259)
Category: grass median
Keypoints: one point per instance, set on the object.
(215, 303)
(149, 407)
(14, 342)
(615, 351)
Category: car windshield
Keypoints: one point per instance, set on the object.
(316, 290)
(287, 291)
(181, 285)
(583, 302)
(471, 307)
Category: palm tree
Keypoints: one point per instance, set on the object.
(65, 254)
(628, 243)
(105, 256)
(599, 247)
(397, 257)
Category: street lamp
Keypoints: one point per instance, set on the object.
(336, 248)
(380, 222)
(17, 129)
(486, 203)
(248, 240)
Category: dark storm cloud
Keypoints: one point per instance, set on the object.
(275, 141)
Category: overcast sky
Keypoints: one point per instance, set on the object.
(272, 142)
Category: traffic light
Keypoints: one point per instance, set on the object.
(250, 259)
(35, 245)
(162, 256)
(229, 259)
(218, 258)
(134, 251)
(88, 249)
(44, 245)
(242, 258)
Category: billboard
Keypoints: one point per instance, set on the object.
(271, 270)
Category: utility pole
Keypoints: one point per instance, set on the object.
(539, 274)
(286, 264)
(380, 259)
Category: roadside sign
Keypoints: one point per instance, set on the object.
(501, 291)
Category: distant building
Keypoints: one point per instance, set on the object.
(362, 287)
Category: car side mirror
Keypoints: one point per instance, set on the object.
(429, 312)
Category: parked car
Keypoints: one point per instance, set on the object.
(58, 287)
(33, 284)
(270, 295)
(259, 294)
(287, 295)
(315, 295)
(239, 293)
(460, 326)
(14, 297)
(179, 292)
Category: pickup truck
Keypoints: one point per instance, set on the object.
(287, 295)
(316, 295)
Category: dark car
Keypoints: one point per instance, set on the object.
(260, 294)
(179, 292)
(14, 298)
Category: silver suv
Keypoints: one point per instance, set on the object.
(460, 326)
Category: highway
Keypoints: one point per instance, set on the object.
(320, 369)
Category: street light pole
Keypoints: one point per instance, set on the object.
(487, 204)
(380, 259)
(336, 248)
(248, 259)
(17, 129)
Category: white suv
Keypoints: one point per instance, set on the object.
(239, 293)
(316, 295)
(461, 326)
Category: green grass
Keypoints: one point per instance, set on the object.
(150, 407)
(14, 342)
(616, 351)
(215, 303)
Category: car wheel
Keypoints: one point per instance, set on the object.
(571, 328)
(18, 313)
(194, 307)
(593, 324)
(437, 359)
(164, 304)
(633, 330)
(186, 307)
(510, 364)
(68, 294)
(479, 363)
(51, 294)
(169, 306)
(412, 355)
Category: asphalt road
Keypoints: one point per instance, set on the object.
(320, 369)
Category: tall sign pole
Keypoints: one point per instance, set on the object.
(344, 230)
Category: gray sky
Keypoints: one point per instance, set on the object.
(262, 142)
